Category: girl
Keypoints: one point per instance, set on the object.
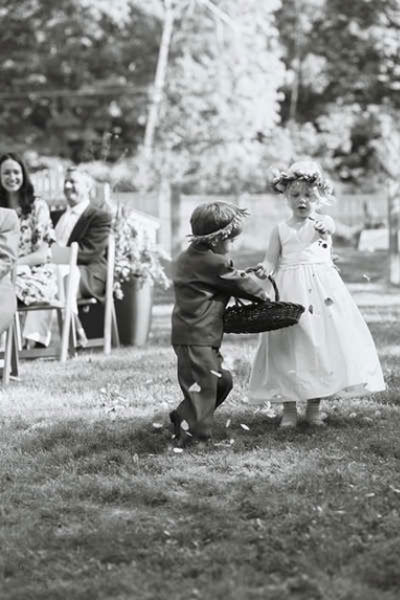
(331, 349)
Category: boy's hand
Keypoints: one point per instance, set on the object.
(259, 271)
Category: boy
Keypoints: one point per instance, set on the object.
(204, 280)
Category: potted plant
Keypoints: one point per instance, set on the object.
(137, 268)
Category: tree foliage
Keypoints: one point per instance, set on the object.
(248, 84)
(345, 57)
(222, 93)
(73, 70)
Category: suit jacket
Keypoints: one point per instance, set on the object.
(91, 232)
(9, 240)
(203, 283)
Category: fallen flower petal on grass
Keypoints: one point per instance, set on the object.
(244, 426)
(177, 450)
(227, 424)
(184, 425)
(157, 425)
(395, 490)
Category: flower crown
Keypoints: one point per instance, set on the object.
(223, 233)
(307, 171)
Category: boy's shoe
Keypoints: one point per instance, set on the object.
(176, 422)
(203, 443)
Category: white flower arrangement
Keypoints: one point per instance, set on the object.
(136, 257)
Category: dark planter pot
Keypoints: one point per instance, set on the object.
(134, 312)
(92, 319)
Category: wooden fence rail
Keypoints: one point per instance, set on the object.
(168, 211)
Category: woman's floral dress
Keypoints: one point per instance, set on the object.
(36, 284)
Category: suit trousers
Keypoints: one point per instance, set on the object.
(205, 385)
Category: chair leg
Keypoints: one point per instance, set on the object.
(15, 350)
(11, 361)
(72, 340)
(114, 327)
(107, 329)
(7, 354)
(18, 331)
(67, 326)
(60, 322)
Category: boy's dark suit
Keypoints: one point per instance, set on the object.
(91, 232)
(203, 283)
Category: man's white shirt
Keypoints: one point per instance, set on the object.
(67, 222)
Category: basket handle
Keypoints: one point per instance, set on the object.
(272, 280)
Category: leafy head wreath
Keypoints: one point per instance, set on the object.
(309, 172)
(219, 235)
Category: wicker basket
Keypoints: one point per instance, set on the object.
(261, 316)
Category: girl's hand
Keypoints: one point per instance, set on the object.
(265, 297)
(321, 228)
(259, 271)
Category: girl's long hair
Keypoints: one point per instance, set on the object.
(26, 194)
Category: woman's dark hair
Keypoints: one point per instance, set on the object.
(26, 191)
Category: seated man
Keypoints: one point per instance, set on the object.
(9, 239)
(90, 227)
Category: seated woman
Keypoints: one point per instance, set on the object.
(9, 237)
(35, 281)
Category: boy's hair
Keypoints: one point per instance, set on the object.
(214, 222)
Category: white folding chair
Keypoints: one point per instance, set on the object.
(110, 335)
(60, 255)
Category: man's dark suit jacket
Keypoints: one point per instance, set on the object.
(91, 232)
(203, 283)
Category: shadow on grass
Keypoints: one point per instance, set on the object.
(113, 441)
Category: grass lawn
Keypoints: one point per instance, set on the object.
(95, 504)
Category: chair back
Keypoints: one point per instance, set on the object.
(110, 264)
(64, 255)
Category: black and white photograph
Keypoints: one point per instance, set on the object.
(200, 300)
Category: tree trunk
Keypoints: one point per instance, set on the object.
(394, 226)
(159, 81)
